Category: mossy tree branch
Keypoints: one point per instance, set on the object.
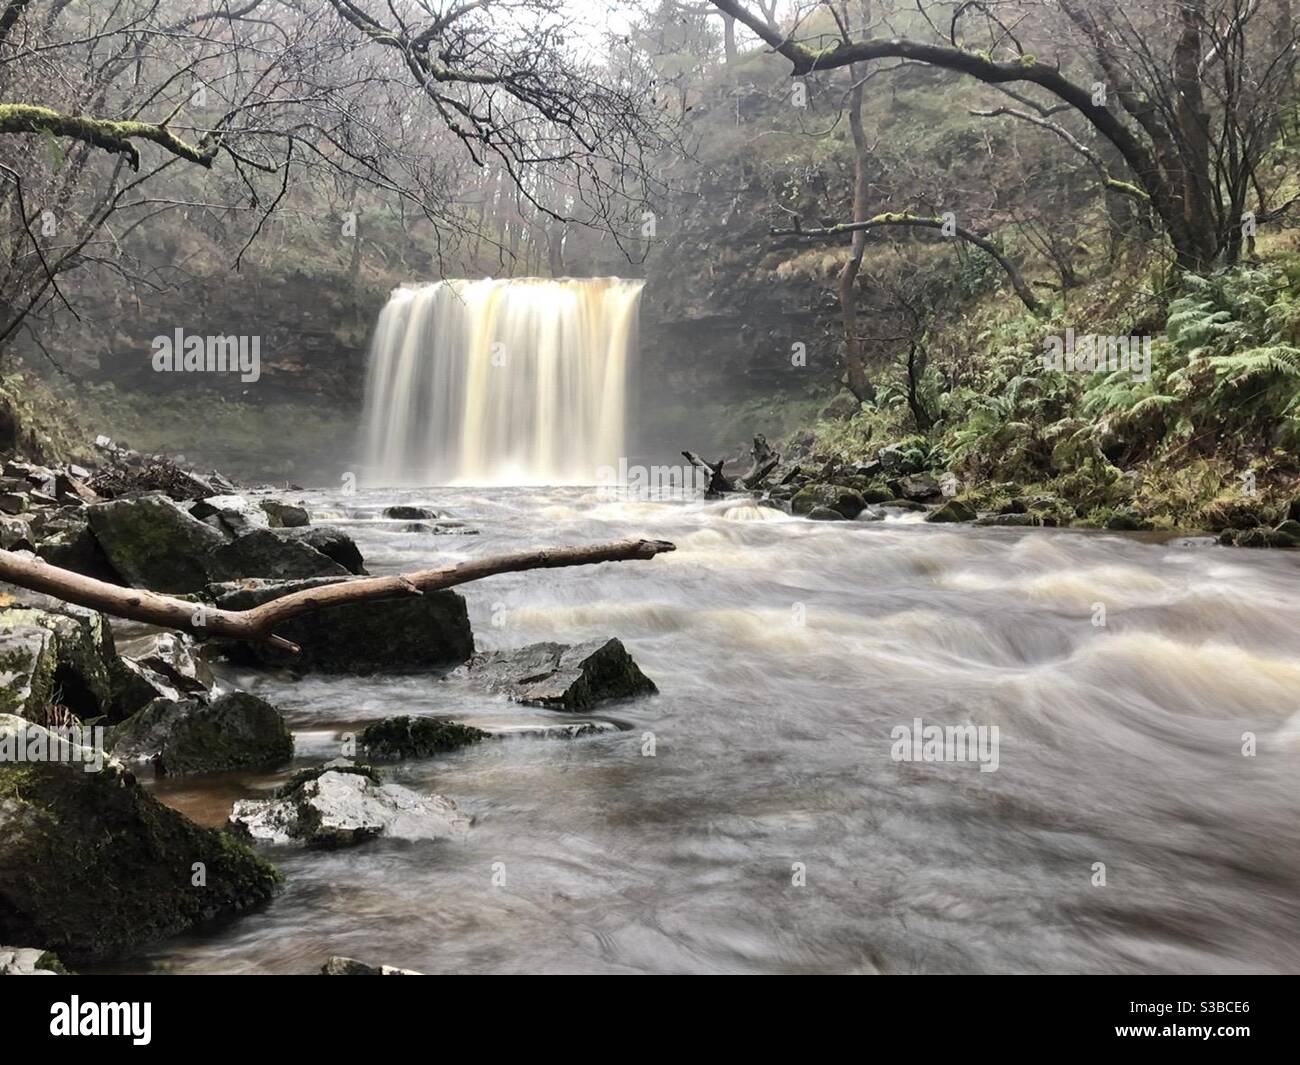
(110, 135)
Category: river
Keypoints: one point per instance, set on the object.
(752, 817)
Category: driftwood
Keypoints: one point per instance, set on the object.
(763, 460)
(257, 624)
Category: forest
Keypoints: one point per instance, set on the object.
(905, 393)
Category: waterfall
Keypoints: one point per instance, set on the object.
(499, 382)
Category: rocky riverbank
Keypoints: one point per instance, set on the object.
(91, 863)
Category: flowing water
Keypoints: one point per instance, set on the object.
(786, 652)
(499, 381)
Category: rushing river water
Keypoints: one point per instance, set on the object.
(786, 652)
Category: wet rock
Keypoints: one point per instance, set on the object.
(1015, 520)
(266, 554)
(331, 542)
(417, 632)
(1258, 537)
(231, 731)
(341, 966)
(871, 513)
(395, 738)
(1289, 530)
(1234, 510)
(92, 865)
(74, 547)
(345, 805)
(52, 655)
(13, 502)
(152, 542)
(30, 961)
(1125, 520)
(231, 514)
(824, 514)
(846, 501)
(410, 513)
(952, 510)
(135, 687)
(561, 676)
(15, 534)
(285, 515)
(173, 655)
(531, 725)
(918, 487)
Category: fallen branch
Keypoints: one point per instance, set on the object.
(258, 623)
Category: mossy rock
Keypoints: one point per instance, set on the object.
(232, 731)
(415, 737)
(1232, 510)
(92, 865)
(952, 511)
(824, 514)
(1126, 520)
(847, 501)
(53, 653)
(153, 543)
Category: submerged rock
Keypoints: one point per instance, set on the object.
(341, 966)
(561, 676)
(92, 865)
(410, 513)
(341, 805)
(416, 632)
(825, 514)
(415, 737)
(29, 961)
(231, 731)
(152, 542)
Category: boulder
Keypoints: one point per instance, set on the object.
(952, 510)
(263, 553)
(154, 543)
(825, 514)
(174, 657)
(75, 548)
(231, 731)
(341, 966)
(15, 534)
(53, 656)
(410, 513)
(331, 542)
(416, 632)
(918, 487)
(232, 514)
(560, 676)
(92, 865)
(1124, 520)
(285, 515)
(30, 961)
(395, 738)
(339, 805)
(847, 501)
(1013, 520)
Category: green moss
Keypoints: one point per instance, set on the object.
(416, 737)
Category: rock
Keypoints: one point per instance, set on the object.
(75, 548)
(532, 725)
(1258, 537)
(92, 865)
(263, 553)
(410, 513)
(331, 542)
(172, 655)
(336, 807)
(29, 961)
(13, 502)
(232, 514)
(1234, 510)
(154, 543)
(1014, 520)
(53, 654)
(1288, 530)
(394, 738)
(918, 487)
(15, 534)
(872, 513)
(135, 687)
(952, 510)
(904, 504)
(418, 632)
(561, 676)
(285, 515)
(72, 489)
(824, 514)
(341, 966)
(897, 459)
(1124, 520)
(231, 731)
(847, 501)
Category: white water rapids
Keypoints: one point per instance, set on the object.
(499, 382)
(786, 651)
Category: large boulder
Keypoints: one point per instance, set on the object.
(410, 513)
(847, 501)
(262, 553)
(92, 865)
(415, 632)
(341, 804)
(74, 547)
(53, 655)
(154, 543)
(560, 676)
(331, 542)
(415, 737)
(231, 731)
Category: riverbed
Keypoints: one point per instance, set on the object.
(756, 817)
